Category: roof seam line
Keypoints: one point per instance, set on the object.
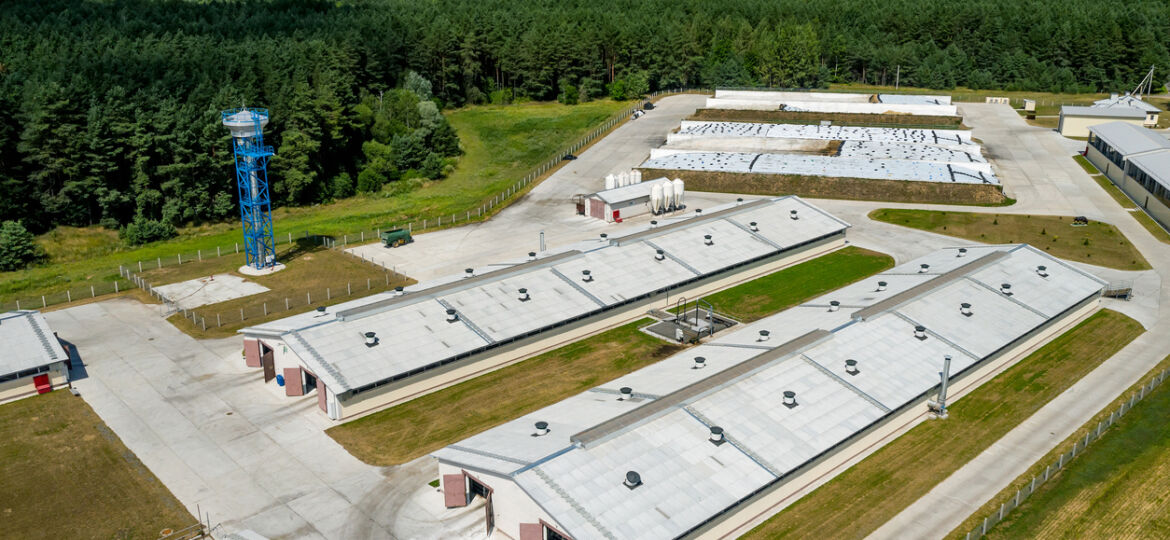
(938, 337)
(579, 288)
(467, 322)
(845, 383)
(671, 256)
(743, 449)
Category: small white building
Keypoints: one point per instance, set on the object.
(1075, 121)
(624, 202)
(32, 360)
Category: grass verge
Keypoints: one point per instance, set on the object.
(1096, 243)
(870, 493)
(1104, 481)
(781, 290)
(64, 474)
(501, 144)
(412, 429)
(1122, 199)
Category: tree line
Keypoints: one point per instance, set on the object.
(109, 110)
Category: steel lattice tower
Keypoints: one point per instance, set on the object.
(247, 127)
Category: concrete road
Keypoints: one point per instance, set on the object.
(548, 207)
(1035, 164)
(225, 443)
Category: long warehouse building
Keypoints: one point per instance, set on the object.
(677, 448)
(368, 353)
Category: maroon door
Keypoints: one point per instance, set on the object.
(268, 363)
(42, 383)
(292, 382)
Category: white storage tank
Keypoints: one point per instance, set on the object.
(678, 192)
(656, 199)
(667, 196)
(637, 176)
(610, 181)
(623, 179)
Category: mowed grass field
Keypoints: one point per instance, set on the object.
(64, 474)
(1097, 243)
(865, 496)
(501, 144)
(412, 429)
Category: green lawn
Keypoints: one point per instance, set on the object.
(412, 429)
(502, 145)
(1097, 243)
(781, 290)
(861, 499)
(64, 474)
(1116, 489)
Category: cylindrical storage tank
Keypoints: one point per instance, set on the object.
(621, 180)
(637, 176)
(667, 196)
(656, 198)
(678, 192)
(610, 181)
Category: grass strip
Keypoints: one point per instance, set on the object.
(1097, 243)
(1122, 199)
(65, 474)
(427, 423)
(870, 493)
(1099, 482)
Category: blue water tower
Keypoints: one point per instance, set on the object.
(247, 127)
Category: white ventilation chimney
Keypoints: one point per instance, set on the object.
(738, 201)
(524, 295)
(452, 316)
(789, 399)
(792, 215)
(654, 224)
(371, 339)
(965, 309)
(754, 227)
(320, 311)
(626, 393)
(531, 255)
(586, 276)
(962, 252)
(707, 240)
(541, 429)
(700, 363)
(1006, 289)
(881, 286)
(834, 305)
(764, 335)
(920, 332)
(468, 272)
(698, 211)
(717, 436)
(398, 291)
(604, 237)
(851, 367)
(1042, 271)
(659, 255)
(923, 268)
(632, 480)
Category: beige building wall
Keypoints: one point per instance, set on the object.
(1078, 126)
(23, 387)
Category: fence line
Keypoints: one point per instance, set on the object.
(485, 208)
(1078, 448)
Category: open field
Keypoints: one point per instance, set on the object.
(1097, 243)
(861, 499)
(501, 144)
(1122, 199)
(314, 276)
(781, 290)
(1072, 492)
(839, 119)
(828, 187)
(64, 474)
(412, 429)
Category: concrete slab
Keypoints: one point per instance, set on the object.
(209, 290)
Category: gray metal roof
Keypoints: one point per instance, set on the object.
(575, 472)
(630, 192)
(415, 334)
(1129, 139)
(1155, 164)
(1126, 100)
(1102, 112)
(27, 342)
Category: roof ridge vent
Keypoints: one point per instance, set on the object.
(468, 272)
(524, 294)
(625, 393)
(654, 224)
(792, 215)
(1006, 289)
(764, 335)
(531, 256)
(371, 339)
(881, 286)
(965, 309)
(320, 312)
(923, 268)
(754, 227)
(700, 363)
(707, 240)
(1042, 271)
(962, 252)
(398, 291)
(717, 436)
(790, 399)
(659, 255)
(920, 332)
(586, 276)
(851, 367)
(541, 429)
(834, 305)
(452, 315)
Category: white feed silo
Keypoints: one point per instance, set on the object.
(610, 182)
(678, 192)
(667, 196)
(656, 199)
(637, 176)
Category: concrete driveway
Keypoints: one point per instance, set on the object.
(230, 446)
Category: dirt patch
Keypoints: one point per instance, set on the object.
(830, 187)
(843, 119)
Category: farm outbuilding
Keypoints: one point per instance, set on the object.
(33, 360)
(383, 349)
(625, 202)
(1136, 160)
(682, 447)
(1075, 121)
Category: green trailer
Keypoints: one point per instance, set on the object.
(396, 237)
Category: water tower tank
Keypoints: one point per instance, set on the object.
(245, 122)
(678, 192)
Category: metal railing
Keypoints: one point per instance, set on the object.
(1078, 448)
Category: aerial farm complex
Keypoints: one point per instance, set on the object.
(661, 335)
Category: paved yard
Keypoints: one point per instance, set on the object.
(193, 293)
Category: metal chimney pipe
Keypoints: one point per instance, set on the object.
(945, 374)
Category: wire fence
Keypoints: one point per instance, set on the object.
(129, 272)
(1078, 448)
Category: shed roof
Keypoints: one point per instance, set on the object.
(1101, 112)
(27, 342)
(1129, 139)
(1156, 165)
(1126, 100)
(630, 192)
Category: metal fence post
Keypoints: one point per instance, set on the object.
(68, 296)
(241, 314)
(328, 296)
(286, 303)
(308, 298)
(92, 294)
(217, 323)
